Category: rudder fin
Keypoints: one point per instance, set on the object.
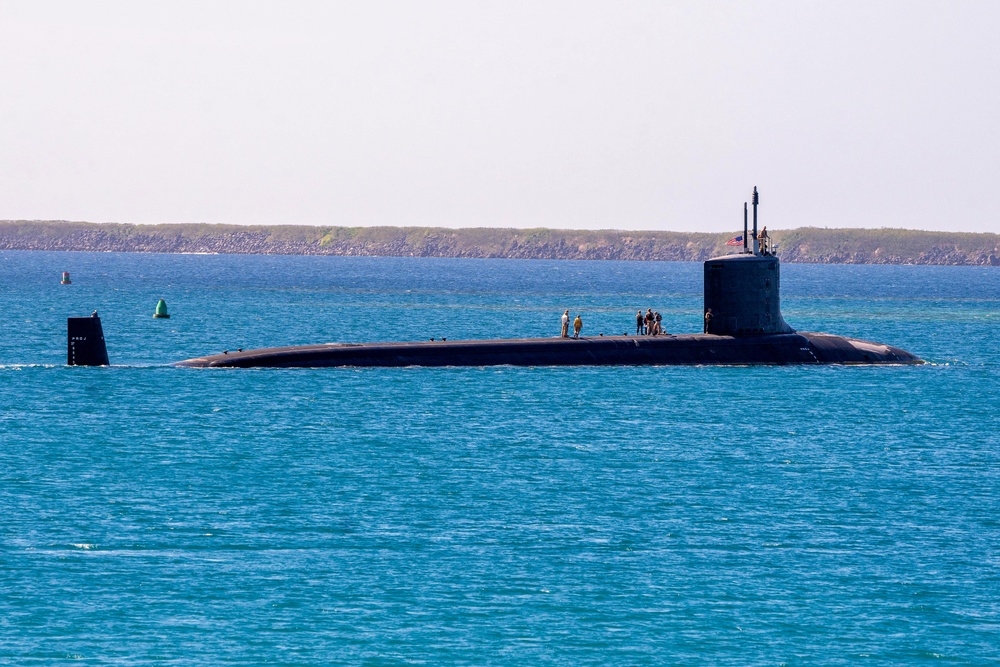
(85, 342)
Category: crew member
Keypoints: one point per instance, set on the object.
(708, 320)
(565, 324)
(577, 326)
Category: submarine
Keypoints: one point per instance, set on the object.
(745, 326)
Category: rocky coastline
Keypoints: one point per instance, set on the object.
(803, 245)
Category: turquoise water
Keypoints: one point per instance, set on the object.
(490, 516)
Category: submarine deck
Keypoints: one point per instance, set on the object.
(681, 349)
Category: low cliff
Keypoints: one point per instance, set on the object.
(812, 245)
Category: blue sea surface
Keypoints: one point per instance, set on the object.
(152, 515)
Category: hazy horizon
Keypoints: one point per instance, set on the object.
(645, 116)
(615, 230)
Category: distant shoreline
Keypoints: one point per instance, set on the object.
(803, 245)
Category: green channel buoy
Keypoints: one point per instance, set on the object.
(65, 279)
(161, 310)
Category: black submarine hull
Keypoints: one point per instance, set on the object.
(742, 317)
(666, 350)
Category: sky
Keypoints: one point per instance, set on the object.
(635, 115)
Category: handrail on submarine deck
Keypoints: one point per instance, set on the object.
(767, 245)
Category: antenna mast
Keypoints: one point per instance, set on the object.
(745, 240)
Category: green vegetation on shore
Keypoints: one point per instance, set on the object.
(807, 244)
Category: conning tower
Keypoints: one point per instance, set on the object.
(743, 290)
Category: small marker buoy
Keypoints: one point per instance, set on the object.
(65, 279)
(161, 310)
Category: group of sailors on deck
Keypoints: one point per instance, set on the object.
(649, 324)
(577, 325)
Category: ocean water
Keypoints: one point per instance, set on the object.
(151, 515)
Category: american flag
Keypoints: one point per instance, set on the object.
(736, 240)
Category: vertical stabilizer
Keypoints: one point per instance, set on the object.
(85, 342)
